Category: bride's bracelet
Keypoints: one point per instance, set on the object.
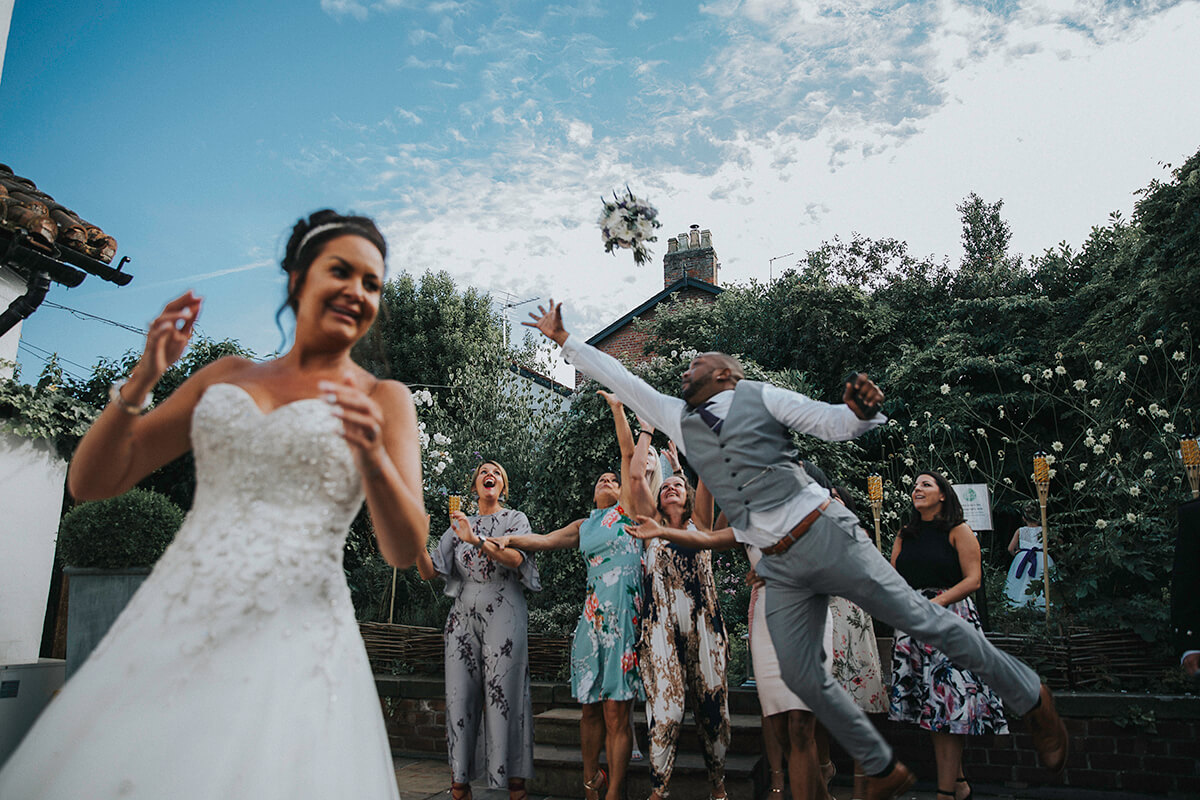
(114, 395)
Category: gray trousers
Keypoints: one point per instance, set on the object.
(837, 557)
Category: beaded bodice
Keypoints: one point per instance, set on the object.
(275, 495)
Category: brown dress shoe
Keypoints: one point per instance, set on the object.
(895, 783)
(1049, 733)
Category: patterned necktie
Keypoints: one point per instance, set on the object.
(710, 419)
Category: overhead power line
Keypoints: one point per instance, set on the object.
(45, 357)
(84, 315)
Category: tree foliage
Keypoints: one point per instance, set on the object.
(989, 362)
(427, 328)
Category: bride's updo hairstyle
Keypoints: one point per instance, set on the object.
(308, 235)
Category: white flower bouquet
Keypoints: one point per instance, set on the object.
(628, 222)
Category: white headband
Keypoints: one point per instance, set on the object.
(328, 226)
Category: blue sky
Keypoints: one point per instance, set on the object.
(482, 135)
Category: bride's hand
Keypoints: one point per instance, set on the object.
(167, 338)
(362, 423)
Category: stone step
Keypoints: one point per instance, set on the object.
(743, 699)
(558, 772)
(560, 726)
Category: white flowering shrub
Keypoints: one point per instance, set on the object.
(1112, 447)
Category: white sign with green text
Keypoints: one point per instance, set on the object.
(976, 504)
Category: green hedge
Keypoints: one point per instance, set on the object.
(131, 530)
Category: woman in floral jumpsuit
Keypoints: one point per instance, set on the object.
(489, 709)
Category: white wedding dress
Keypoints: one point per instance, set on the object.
(237, 670)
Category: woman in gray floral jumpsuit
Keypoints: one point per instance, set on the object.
(489, 712)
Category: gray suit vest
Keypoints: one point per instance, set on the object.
(750, 465)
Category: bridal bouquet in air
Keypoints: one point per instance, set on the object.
(627, 221)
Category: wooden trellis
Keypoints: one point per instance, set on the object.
(422, 649)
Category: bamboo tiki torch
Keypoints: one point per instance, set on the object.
(875, 494)
(1041, 477)
(1190, 450)
(392, 604)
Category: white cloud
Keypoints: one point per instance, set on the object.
(408, 116)
(806, 126)
(579, 133)
(344, 8)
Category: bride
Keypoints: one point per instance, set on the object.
(237, 669)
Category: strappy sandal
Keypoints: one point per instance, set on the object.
(724, 793)
(460, 791)
(516, 789)
(970, 789)
(598, 782)
(777, 791)
(858, 775)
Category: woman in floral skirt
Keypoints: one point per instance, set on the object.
(683, 648)
(938, 554)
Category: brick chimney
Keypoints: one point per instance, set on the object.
(690, 255)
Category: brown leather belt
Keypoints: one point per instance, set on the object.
(795, 533)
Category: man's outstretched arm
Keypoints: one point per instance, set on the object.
(833, 422)
(658, 409)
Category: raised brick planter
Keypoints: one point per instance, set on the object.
(1109, 752)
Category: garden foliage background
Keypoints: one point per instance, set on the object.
(1087, 354)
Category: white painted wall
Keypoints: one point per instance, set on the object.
(32, 477)
(12, 286)
(8, 278)
(6, 9)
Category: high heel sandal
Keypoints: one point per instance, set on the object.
(598, 782)
(970, 789)
(857, 776)
(779, 790)
(460, 791)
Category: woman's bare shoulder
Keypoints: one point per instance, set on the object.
(386, 390)
(226, 369)
(962, 533)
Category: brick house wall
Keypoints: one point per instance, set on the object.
(628, 343)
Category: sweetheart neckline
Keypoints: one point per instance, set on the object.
(242, 391)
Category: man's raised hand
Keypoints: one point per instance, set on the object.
(862, 395)
(549, 322)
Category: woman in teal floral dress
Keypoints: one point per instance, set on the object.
(604, 666)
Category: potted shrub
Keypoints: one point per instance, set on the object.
(108, 547)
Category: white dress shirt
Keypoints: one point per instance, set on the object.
(833, 423)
